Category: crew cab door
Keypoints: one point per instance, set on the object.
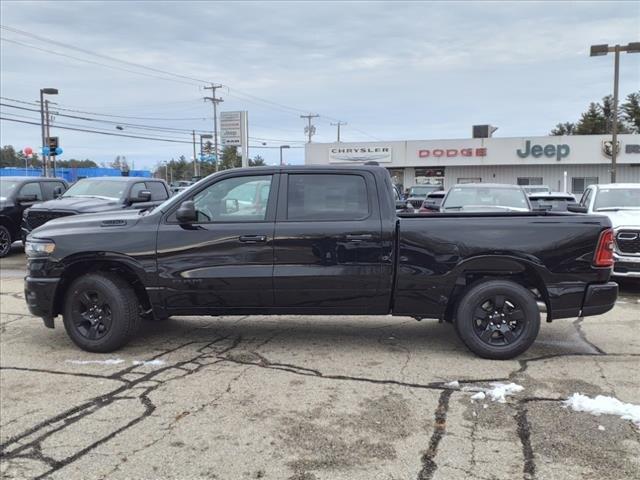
(224, 260)
(328, 243)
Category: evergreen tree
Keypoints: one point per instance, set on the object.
(566, 128)
(631, 112)
(592, 122)
(607, 111)
(230, 158)
(257, 161)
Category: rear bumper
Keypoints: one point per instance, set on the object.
(599, 298)
(40, 296)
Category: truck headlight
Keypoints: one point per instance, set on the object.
(39, 248)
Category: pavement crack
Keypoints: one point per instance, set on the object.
(59, 372)
(577, 323)
(524, 433)
(429, 465)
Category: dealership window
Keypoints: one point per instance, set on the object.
(529, 180)
(397, 177)
(429, 176)
(469, 180)
(579, 184)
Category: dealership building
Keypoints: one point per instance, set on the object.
(578, 160)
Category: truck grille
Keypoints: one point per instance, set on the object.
(36, 219)
(628, 241)
(416, 203)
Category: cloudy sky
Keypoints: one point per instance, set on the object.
(391, 70)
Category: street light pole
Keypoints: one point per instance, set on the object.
(601, 50)
(44, 129)
(281, 147)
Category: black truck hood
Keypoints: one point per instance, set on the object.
(89, 222)
(79, 205)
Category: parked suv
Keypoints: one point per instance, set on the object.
(18, 194)
(621, 203)
(418, 193)
(98, 194)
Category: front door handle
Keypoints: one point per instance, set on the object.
(253, 238)
(359, 238)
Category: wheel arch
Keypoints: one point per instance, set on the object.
(481, 269)
(7, 222)
(124, 267)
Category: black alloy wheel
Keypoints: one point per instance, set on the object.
(101, 312)
(497, 319)
(92, 315)
(5, 241)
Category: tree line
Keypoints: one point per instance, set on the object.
(9, 157)
(182, 169)
(598, 118)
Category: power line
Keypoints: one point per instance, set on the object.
(99, 132)
(238, 93)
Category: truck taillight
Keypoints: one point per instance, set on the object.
(604, 251)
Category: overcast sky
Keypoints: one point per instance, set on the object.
(393, 70)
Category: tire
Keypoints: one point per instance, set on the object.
(5, 241)
(101, 312)
(497, 319)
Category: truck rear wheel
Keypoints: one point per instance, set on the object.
(101, 312)
(5, 241)
(498, 319)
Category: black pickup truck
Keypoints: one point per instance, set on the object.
(317, 241)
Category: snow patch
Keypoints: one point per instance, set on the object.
(601, 428)
(604, 405)
(108, 361)
(478, 396)
(153, 363)
(498, 392)
(454, 384)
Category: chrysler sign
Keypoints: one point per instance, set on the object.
(359, 154)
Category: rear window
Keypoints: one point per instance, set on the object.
(327, 197)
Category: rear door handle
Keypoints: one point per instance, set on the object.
(359, 238)
(253, 238)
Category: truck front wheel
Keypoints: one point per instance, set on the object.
(100, 312)
(498, 319)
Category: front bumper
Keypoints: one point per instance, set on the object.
(626, 265)
(40, 296)
(599, 298)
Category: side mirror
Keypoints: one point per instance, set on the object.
(231, 205)
(577, 208)
(186, 212)
(27, 198)
(57, 192)
(143, 196)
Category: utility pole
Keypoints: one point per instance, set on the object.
(195, 160)
(215, 102)
(310, 130)
(338, 125)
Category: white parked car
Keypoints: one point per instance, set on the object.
(621, 203)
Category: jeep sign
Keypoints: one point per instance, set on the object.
(550, 151)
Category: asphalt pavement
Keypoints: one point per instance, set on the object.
(310, 398)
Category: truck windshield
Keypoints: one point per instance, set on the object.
(489, 198)
(6, 188)
(618, 198)
(110, 189)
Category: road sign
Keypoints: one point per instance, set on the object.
(52, 143)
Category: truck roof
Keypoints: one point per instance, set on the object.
(124, 179)
(617, 185)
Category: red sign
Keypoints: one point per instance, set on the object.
(453, 152)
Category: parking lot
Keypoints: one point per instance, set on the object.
(312, 398)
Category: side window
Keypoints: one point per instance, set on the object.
(237, 199)
(158, 191)
(49, 188)
(136, 189)
(327, 197)
(32, 188)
